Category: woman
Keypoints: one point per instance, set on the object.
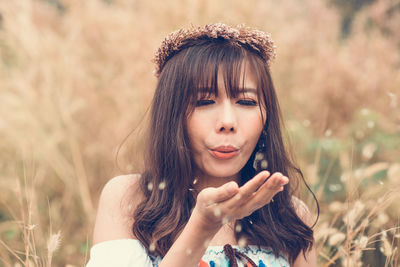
(217, 189)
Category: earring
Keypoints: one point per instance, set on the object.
(260, 163)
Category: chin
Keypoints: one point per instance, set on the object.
(224, 172)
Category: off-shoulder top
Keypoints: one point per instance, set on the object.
(131, 253)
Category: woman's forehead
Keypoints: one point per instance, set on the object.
(236, 78)
(244, 77)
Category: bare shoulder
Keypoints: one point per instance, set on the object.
(118, 199)
(310, 257)
(302, 211)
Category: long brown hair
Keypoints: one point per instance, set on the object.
(169, 167)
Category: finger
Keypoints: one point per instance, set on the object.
(220, 194)
(251, 186)
(274, 183)
(271, 187)
(267, 191)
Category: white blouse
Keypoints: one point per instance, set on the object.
(131, 253)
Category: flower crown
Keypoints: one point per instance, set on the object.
(241, 35)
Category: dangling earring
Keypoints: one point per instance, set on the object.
(260, 163)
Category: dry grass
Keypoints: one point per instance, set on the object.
(76, 79)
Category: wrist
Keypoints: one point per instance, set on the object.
(192, 242)
(204, 224)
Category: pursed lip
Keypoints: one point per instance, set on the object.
(224, 152)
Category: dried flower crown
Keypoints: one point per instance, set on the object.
(241, 35)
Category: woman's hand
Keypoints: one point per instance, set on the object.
(217, 206)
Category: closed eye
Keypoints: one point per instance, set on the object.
(204, 102)
(247, 102)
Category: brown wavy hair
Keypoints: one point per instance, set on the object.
(163, 213)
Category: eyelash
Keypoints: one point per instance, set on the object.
(247, 102)
(244, 102)
(204, 102)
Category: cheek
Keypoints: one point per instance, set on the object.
(195, 127)
(254, 136)
(253, 124)
(253, 129)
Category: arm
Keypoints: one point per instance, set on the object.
(113, 224)
(113, 220)
(310, 259)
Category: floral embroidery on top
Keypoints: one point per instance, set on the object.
(215, 257)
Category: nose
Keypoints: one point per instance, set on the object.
(226, 120)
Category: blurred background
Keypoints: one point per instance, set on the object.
(76, 81)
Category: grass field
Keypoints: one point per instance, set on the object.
(76, 82)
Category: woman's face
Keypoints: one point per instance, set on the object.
(224, 131)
